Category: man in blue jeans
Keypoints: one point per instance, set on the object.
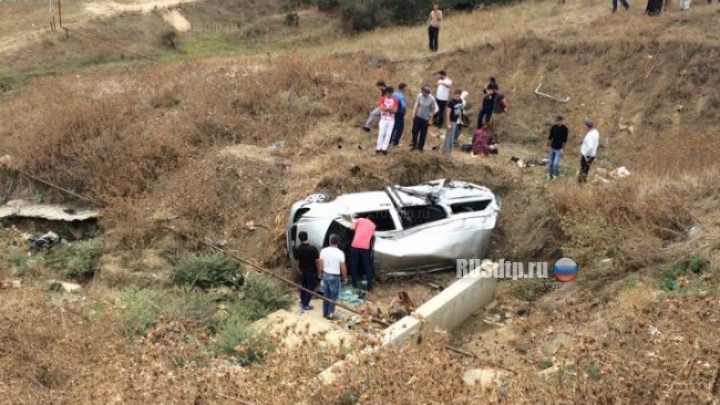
(332, 265)
(399, 114)
(555, 145)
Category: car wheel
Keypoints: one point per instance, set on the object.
(317, 198)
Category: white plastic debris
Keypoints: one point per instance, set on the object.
(622, 172)
(654, 331)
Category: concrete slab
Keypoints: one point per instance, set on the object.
(26, 209)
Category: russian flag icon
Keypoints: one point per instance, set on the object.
(565, 270)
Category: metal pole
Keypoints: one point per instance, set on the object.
(52, 17)
(67, 33)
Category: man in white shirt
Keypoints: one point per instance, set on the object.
(442, 96)
(588, 150)
(332, 266)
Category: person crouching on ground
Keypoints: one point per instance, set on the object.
(555, 147)
(375, 112)
(332, 266)
(588, 150)
(453, 117)
(482, 142)
(307, 257)
(388, 107)
(360, 252)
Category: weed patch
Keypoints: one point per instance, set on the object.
(207, 271)
(681, 275)
(77, 260)
(235, 338)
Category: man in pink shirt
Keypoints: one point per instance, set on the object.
(360, 251)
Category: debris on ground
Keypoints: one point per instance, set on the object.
(532, 162)
(485, 377)
(275, 146)
(8, 284)
(51, 212)
(46, 241)
(71, 288)
(350, 297)
(621, 172)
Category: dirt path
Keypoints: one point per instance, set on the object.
(110, 8)
(24, 23)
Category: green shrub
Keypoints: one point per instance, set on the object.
(20, 263)
(670, 274)
(206, 271)
(76, 260)
(349, 397)
(140, 309)
(234, 337)
(263, 296)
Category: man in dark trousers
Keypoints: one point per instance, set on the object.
(434, 20)
(360, 252)
(623, 2)
(588, 150)
(442, 96)
(399, 114)
(307, 257)
(555, 146)
(488, 106)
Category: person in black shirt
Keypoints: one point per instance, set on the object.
(307, 257)
(555, 146)
(488, 105)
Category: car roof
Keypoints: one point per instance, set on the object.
(363, 202)
(441, 192)
(460, 190)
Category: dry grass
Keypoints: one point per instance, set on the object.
(151, 140)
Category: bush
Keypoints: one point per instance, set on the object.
(263, 296)
(236, 338)
(76, 260)
(142, 308)
(20, 264)
(207, 271)
(671, 274)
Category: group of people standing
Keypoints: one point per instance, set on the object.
(329, 265)
(556, 148)
(446, 109)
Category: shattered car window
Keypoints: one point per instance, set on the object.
(382, 219)
(420, 214)
(470, 206)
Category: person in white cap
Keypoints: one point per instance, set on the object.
(588, 150)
